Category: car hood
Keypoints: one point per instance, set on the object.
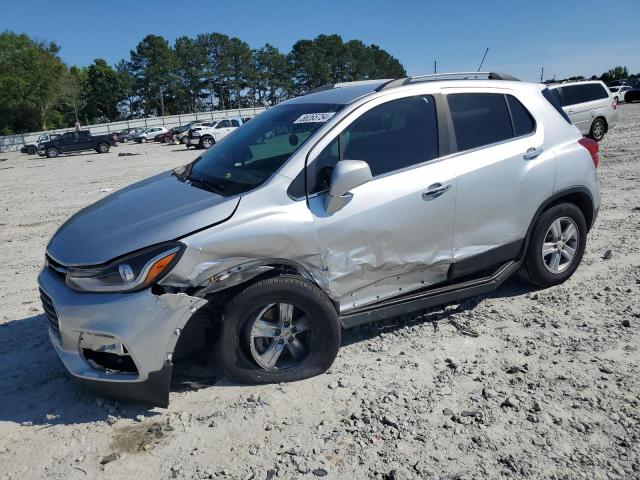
(152, 211)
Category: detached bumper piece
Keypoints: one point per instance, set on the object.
(154, 390)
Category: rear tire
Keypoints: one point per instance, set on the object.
(308, 342)
(555, 267)
(102, 148)
(52, 152)
(598, 129)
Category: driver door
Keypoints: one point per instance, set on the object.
(395, 235)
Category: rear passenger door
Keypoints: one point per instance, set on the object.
(504, 173)
(395, 235)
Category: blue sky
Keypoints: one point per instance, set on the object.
(565, 37)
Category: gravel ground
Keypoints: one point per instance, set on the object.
(520, 384)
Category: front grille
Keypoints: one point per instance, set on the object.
(57, 268)
(50, 312)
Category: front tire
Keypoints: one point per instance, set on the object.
(280, 329)
(52, 152)
(143, 140)
(31, 150)
(556, 246)
(598, 129)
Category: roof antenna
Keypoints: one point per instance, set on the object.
(483, 57)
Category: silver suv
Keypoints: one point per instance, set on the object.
(350, 204)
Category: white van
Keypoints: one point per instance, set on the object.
(589, 105)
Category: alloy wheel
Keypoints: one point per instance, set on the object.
(560, 245)
(280, 336)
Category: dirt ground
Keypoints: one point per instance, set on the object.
(519, 384)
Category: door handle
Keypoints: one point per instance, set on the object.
(435, 190)
(532, 153)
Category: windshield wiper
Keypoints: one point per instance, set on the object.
(207, 185)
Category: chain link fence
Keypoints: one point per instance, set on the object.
(16, 142)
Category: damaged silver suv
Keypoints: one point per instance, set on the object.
(347, 205)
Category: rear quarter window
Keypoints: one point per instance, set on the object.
(523, 123)
(553, 97)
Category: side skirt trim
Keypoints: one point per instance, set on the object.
(431, 298)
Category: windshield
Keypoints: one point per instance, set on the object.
(253, 152)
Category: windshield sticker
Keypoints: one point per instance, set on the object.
(315, 117)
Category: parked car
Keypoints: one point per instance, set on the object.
(76, 142)
(183, 134)
(632, 95)
(128, 134)
(590, 106)
(168, 135)
(206, 136)
(32, 148)
(374, 199)
(619, 92)
(148, 134)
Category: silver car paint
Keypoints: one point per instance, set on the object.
(358, 255)
(151, 211)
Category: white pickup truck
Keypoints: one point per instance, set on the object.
(205, 136)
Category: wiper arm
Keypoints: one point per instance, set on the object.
(212, 187)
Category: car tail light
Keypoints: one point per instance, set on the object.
(593, 148)
(614, 104)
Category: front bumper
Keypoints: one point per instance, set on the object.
(144, 325)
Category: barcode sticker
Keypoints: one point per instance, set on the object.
(315, 117)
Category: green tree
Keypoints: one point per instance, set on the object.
(153, 65)
(270, 81)
(239, 56)
(616, 73)
(191, 60)
(31, 76)
(103, 91)
(217, 67)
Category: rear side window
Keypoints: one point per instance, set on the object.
(523, 123)
(479, 119)
(553, 97)
(586, 92)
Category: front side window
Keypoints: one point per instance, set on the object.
(389, 137)
(251, 154)
(479, 119)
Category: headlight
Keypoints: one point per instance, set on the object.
(132, 272)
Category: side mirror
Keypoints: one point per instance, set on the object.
(347, 175)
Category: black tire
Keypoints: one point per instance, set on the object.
(232, 349)
(598, 129)
(206, 142)
(31, 150)
(52, 152)
(183, 140)
(102, 148)
(533, 269)
(143, 140)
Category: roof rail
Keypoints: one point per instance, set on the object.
(447, 76)
(331, 86)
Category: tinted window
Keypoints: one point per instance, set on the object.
(224, 124)
(587, 92)
(235, 123)
(553, 97)
(391, 136)
(479, 119)
(523, 123)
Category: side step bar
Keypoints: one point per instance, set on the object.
(430, 298)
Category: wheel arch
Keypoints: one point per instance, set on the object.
(579, 196)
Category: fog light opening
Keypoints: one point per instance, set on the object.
(103, 352)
